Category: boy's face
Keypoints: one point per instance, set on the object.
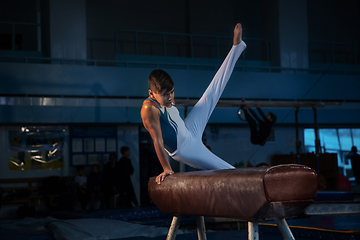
(165, 98)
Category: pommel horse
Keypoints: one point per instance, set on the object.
(251, 194)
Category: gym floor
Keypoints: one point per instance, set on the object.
(333, 217)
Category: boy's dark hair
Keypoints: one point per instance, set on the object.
(124, 149)
(273, 117)
(160, 80)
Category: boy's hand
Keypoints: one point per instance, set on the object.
(163, 175)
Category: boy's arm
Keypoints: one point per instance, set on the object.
(151, 119)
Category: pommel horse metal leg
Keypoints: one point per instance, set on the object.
(284, 229)
(253, 231)
(201, 231)
(174, 228)
(200, 223)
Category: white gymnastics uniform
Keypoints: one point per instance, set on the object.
(183, 138)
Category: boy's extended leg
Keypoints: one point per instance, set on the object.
(194, 152)
(200, 114)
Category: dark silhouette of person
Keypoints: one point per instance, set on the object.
(110, 181)
(81, 187)
(355, 163)
(259, 135)
(125, 169)
(94, 186)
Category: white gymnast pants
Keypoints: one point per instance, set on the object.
(193, 152)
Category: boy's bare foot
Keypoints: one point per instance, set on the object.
(237, 34)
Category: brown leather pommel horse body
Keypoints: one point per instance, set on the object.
(252, 194)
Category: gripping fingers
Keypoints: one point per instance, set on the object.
(162, 176)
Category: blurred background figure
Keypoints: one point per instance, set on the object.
(94, 186)
(110, 181)
(260, 128)
(81, 187)
(355, 163)
(125, 168)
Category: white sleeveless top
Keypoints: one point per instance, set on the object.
(173, 129)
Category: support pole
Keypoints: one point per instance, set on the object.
(317, 142)
(201, 231)
(174, 228)
(298, 143)
(38, 21)
(253, 231)
(284, 229)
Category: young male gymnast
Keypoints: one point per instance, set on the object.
(181, 139)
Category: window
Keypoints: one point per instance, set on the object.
(335, 140)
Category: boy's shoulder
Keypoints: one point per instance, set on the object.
(149, 110)
(150, 103)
